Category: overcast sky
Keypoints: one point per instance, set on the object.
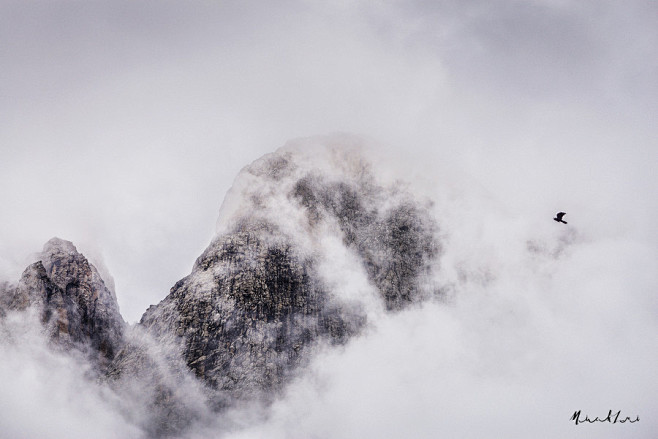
(123, 124)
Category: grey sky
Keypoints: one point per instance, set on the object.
(123, 123)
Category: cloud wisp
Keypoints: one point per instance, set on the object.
(122, 126)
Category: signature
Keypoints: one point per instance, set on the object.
(612, 418)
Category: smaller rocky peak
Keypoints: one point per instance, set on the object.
(76, 307)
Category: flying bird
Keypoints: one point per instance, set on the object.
(558, 217)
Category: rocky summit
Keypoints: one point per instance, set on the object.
(262, 298)
(75, 306)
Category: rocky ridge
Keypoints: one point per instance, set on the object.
(260, 299)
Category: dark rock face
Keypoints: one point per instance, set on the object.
(242, 322)
(248, 311)
(75, 305)
(397, 245)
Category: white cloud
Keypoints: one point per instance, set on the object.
(516, 354)
(51, 394)
(122, 126)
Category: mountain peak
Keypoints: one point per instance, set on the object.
(264, 292)
(75, 305)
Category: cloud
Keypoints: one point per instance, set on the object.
(122, 127)
(542, 335)
(46, 393)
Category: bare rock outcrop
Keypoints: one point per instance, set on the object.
(248, 311)
(76, 308)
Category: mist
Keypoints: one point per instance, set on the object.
(123, 126)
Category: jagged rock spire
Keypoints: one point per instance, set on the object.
(76, 307)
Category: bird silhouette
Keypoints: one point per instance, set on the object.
(558, 217)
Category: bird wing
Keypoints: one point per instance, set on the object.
(560, 215)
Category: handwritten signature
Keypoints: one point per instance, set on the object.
(612, 418)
